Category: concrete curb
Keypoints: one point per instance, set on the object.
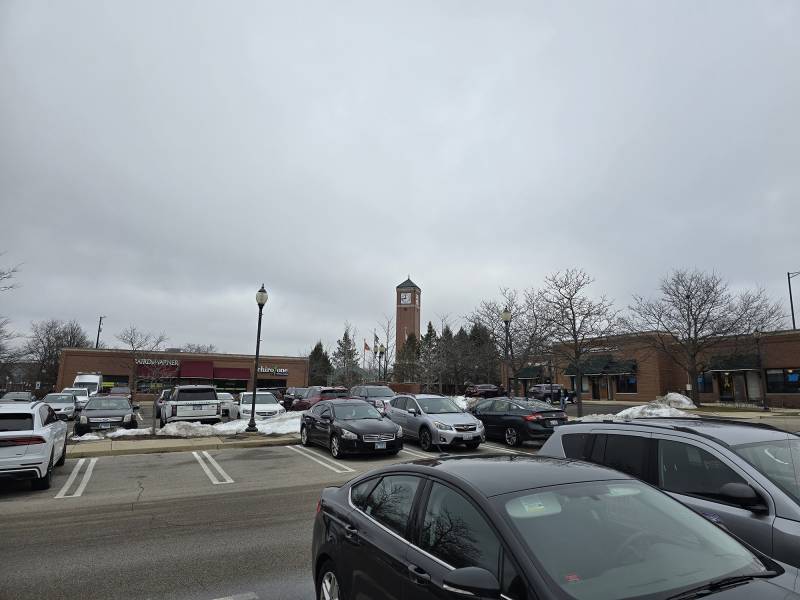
(123, 447)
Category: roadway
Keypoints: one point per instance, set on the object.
(230, 523)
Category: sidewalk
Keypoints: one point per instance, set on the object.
(115, 447)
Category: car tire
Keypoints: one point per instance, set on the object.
(43, 483)
(304, 436)
(512, 437)
(336, 451)
(60, 462)
(425, 439)
(472, 445)
(328, 583)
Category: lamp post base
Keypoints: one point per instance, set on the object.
(251, 427)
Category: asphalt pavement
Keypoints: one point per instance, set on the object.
(229, 523)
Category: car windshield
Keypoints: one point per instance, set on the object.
(651, 544)
(224, 396)
(438, 406)
(78, 391)
(778, 460)
(261, 398)
(17, 396)
(351, 412)
(108, 403)
(379, 392)
(59, 399)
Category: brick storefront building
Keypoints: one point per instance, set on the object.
(737, 372)
(155, 370)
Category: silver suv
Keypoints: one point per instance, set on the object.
(435, 421)
(742, 476)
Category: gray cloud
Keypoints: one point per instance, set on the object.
(160, 160)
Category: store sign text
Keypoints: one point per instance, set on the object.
(273, 371)
(158, 362)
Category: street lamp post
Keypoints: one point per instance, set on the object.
(789, 276)
(261, 300)
(505, 315)
(757, 335)
(381, 354)
(99, 329)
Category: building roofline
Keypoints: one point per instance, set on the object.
(208, 355)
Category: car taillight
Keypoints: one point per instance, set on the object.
(26, 440)
(319, 505)
(534, 417)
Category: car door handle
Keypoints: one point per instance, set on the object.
(417, 575)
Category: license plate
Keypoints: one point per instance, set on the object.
(466, 436)
(554, 422)
(380, 445)
(105, 425)
(199, 406)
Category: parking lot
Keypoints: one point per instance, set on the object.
(204, 525)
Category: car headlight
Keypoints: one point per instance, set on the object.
(442, 426)
(348, 435)
(84, 420)
(399, 431)
(479, 424)
(126, 418)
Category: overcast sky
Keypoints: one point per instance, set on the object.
(159, 160)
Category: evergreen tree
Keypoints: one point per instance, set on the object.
(429, 372)
(406, 367)
(319, 366)
(345, 360)
(445, 359)
(461, 358)
(483, 358)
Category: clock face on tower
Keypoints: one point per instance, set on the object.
(405, 297)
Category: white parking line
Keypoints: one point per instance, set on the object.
(415, 454)
(336, 467)
(215, 464)
(245, 596)
(87, 475)
(211, 477)
(501, 449)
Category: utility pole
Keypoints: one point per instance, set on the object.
(99, 329)
(789, 276)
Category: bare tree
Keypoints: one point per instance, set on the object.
(387, 329)
(576, 324)
(696, 313)
(6, 275)
(137, 342)
(8, 354)
(528, 329)
(199, 348)
(45, 343)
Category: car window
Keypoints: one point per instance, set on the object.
(779, 460)
(455, 532)
(326, 412)
(626, 453)
(399, 403)
(501, 406)
(51, 416)
(512, 586)
(483, 405)
(687, 469)
(191, 395)
(574, 445)
(43, 415)
(359, 493)
(16, 422)
(391, 501)
(316, 410)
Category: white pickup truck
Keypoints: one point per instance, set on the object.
(192, 403)
(93, 382)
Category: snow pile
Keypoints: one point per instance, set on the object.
(119, 433)
(676, 400)
(87, 437)
(654, 409)
(460, 401)
(280, 425)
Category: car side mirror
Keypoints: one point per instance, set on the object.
(743, 495)
(412, 411)
(136, 407)
(471, 581)
(326, 418)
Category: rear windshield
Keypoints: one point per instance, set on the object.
(331, 394)
(379, 392)
(59, 399)
(190, 395)
(17, 396)
(15, 422)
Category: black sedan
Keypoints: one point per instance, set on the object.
(521, 528)
(350, 426)
(106, 412)
(515, 420)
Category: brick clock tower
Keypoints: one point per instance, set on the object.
(408, 315)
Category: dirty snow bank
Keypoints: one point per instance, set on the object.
(280, 425)
(654, 409)
(676, 400)
(86, 437)
(118, 433)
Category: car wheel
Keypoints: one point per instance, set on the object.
(512, 437)
(336, 451)
(304, 436)
(472, 445)
(63, 459)
(43, 483)
(328, 584)
(425, 439)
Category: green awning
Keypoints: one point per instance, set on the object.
(531, 372)
(733, 362)
(604, 364)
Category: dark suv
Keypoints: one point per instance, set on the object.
(292, 394)
(377, 395)
(316, 393)
(744, 476)
(483, 390)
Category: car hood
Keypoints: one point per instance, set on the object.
(362, 426)
(105, 413)
(461, 418)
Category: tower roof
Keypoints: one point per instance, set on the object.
(408, 284)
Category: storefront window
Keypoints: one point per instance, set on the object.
(230, 385)
(783, 381)
(705, 383)
(626, 384)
